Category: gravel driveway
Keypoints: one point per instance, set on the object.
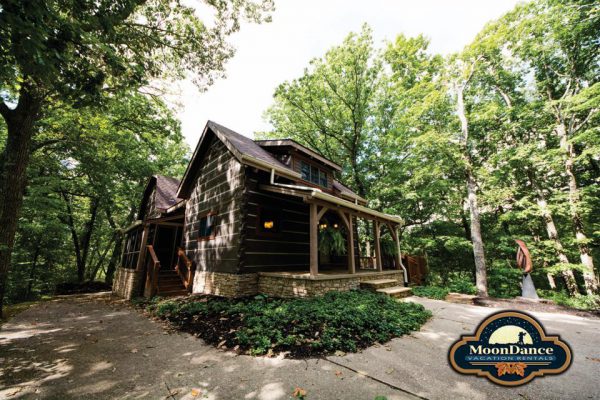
(93, 347)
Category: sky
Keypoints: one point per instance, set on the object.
(271, 53)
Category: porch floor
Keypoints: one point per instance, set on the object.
(330, 274)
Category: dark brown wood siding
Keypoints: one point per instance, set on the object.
(286, 250)
(218, 187)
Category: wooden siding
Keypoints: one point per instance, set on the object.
(150, 211)
(286, 250)
(217, 187)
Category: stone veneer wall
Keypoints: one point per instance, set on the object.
(289, 286)
(224, 284)
(127, 282)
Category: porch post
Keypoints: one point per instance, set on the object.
(314, 239)
(379, 264)
(142, 254)
(351, 265)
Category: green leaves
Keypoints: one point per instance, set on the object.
(337, 321)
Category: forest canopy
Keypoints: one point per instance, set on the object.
(497, 142)
(474, 150)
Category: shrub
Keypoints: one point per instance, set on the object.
(432, 292)
(504, 282)
(345, 321)
(586, 302)
(462, 285)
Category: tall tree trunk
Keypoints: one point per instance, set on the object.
(476, 237)
(589, 275)
(20, 124)
(32, 272)
(81, 244)
(567, 274)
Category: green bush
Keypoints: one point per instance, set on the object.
(345, 321)
(504, 282)
(462, 285)
(432, 292)
(586, 302)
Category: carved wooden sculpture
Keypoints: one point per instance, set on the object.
(524, 262)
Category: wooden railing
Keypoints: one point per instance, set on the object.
(185, 268)
(367, 262)
(152, 268)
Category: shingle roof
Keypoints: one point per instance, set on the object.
(245, 145)
(344, 190)
(166, 192)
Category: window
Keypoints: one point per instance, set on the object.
(322, 179)
(305, 171)
(206, 226)
(269, 221)
(313, 174)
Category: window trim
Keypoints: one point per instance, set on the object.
(320, 171)
(211, 213)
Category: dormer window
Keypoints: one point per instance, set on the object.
(313, 174)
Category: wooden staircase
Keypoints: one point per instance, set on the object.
(390, 287)
(170, 284)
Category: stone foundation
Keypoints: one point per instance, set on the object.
(127, 283)
(226, 285)
(289, 285)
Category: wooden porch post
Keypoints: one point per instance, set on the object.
(314, 240)
(142, 255)
(351, 265)
(376, 229)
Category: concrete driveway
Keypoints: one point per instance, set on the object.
(418, 363)
(95, 348)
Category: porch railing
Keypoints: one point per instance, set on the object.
(185, 268)
(152, 268)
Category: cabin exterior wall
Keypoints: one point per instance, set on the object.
(217, 188)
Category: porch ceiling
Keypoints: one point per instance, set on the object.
(311, 195)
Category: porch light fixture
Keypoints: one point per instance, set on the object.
(269, 224)
(335, 226)
(322, 226)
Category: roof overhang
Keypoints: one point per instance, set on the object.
(311, 195)
(292, 143)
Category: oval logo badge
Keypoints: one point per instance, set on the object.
(510, 348)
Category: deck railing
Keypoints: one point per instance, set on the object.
(152, 268)
(185, 268)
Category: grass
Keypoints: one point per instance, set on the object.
(338, 321)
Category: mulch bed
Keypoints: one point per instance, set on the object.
(527, 305)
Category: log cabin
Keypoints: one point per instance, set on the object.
(248, 217)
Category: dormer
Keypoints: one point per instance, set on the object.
(314, 169)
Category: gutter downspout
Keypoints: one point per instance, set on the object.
(400, 258)
(272, 182)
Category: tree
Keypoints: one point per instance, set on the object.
(559, 39)
(328, 108)
(73, 52)
(86, 183)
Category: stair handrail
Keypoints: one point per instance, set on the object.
(185, 269)
(152, 268)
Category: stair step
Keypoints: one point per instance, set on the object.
(378, 284)
(172, 292)
(396, 291)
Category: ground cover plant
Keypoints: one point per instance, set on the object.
(337, 321)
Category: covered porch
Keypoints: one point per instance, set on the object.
(362, 229)
(152, 262)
